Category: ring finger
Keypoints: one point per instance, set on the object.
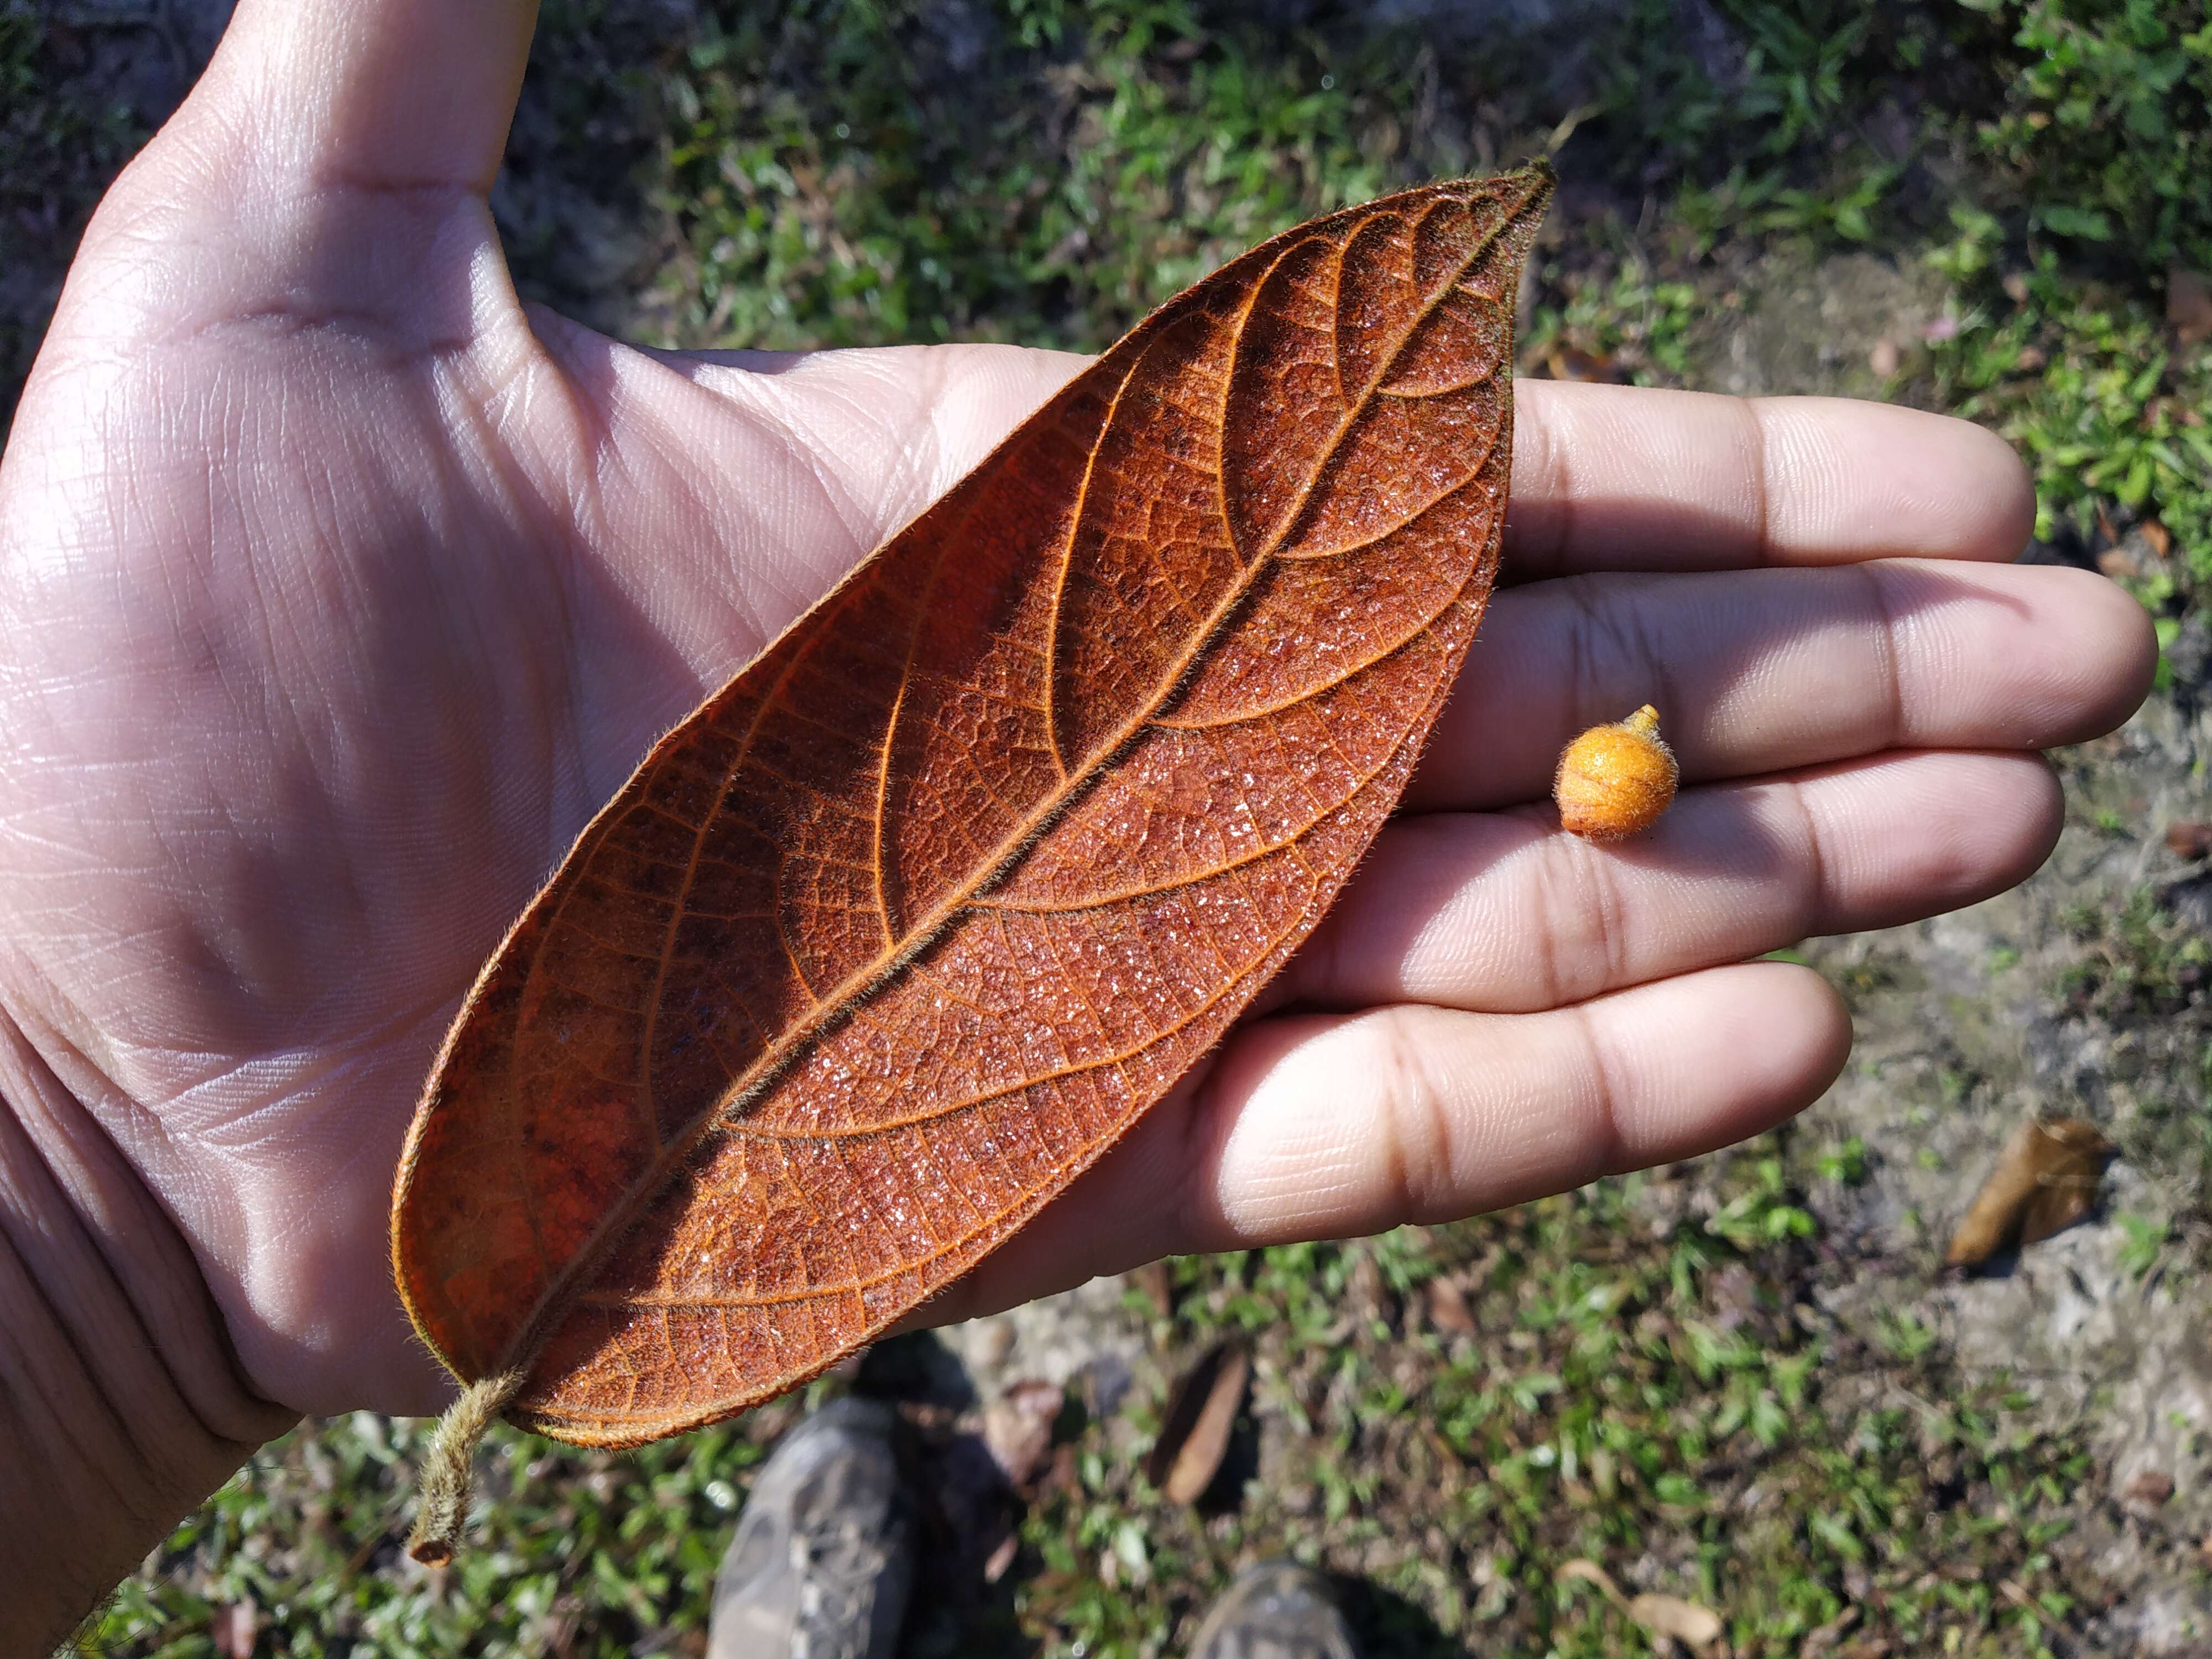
(1334, 1126)
(1757, 671)
(1505, 913)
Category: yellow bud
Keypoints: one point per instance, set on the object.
(1614, 780)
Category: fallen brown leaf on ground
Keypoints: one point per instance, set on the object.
(1364, 1288)
(2125, 562)
(2188, 839)
(2045, 1180)
(1017, 1428)
(1590, 1573)
(1200, 1416)
(1566, 363)
(234, 1628)
(2188, 304)
(1668, 1618)
(1696, 1626)
(1447, 1308)
(1824, 1640)
(1157, 1284)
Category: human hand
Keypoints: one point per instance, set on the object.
(340, 592)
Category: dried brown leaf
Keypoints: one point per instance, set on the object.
(1566, 363)
(1201, 1416)
(1666, 1617)
(1590, 1572)
(1017, 1428)
(1448, 1310)
(908, 923)
(2190, 839)
(234, 1628)
(1364, 1289)
(1826, 1636)
(1158, 1283)
(2188, 304)
(1696, 1626)
(2044, 1180)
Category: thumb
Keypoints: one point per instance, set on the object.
(330, 166)
(383, 96)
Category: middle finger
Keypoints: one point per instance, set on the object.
(1505, 913)
(1758, 671)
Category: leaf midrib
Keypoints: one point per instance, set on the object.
(785, 1051)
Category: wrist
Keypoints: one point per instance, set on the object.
(121, 1404)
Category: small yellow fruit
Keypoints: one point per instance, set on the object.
(1615, 780)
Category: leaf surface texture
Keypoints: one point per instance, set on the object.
(905, 925)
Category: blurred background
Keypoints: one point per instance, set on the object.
(1747, 1384)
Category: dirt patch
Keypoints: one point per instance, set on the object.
(1851, 325)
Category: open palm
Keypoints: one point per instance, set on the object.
(339, 591)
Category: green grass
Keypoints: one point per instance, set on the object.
(2135, 962)
(871, 185)
(843, 174)
(59, 145)
(1631, 1397)
(1647, 1387)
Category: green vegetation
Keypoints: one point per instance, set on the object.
(307, 1537)
(1635, 1390)
(1639, 1384)
(60, 142)
(850, 174)
(2105, 132)
(2138, 962)
(881, 182)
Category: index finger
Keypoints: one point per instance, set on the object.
(1628, 478)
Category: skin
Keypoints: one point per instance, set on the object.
(339, 589)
